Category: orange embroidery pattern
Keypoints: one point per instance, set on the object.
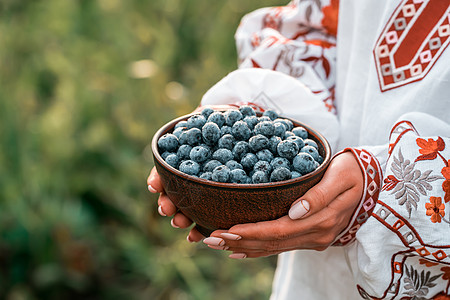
(435, 209)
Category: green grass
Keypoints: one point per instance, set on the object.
(76, 219)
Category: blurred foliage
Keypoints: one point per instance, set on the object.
(84, 84)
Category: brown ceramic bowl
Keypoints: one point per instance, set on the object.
(213, 205)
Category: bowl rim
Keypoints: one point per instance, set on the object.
(169, 125)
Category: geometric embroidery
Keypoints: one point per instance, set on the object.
(439, 255)
(411, 42)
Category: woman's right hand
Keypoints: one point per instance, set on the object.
(167, 208)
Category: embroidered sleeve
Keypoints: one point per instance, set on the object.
(403, 249)
(372, 175)
(298, 39)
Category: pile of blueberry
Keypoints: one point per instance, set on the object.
(237, 146)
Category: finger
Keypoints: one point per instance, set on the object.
(180, 221)
(339, 177)
(165, 206)
(154, 182)
(195, 236)
(242, 255)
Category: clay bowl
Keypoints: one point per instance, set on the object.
(213, 205)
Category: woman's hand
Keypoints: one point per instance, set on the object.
(314, 220)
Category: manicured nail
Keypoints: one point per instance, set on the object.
(161, 211)
(231, 236)
(299, 209)
(219, 247)
(188, 238)
(152, 189)
(214, 241)
(173, 224)
(237, 255)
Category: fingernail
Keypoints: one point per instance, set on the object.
(214, 241)
(299, 209)
(188, 238)
(237, 255)
(231, 236)
(161, 211)
(173, 224)
(219, 247)
(152, 189)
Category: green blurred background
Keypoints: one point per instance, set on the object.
(84, 84)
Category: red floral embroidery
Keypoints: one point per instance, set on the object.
(441, 296)
(390, 182)
(435, 209)
(429, 149)
(446, 189)
(330, 17)
(446, 275)
(427, 263)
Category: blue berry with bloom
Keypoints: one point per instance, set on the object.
(181, 124)
(264, 119)
(193, 136)
(232, 116)
(189, 167)
(172, 160)
(240, 131)
(217, 117)
(280, 162)
(311, 151)
(223, 155)
(263, 166)
(168, 142)
(232, 164)
(210, 165)
(225, 130)
(240, 149)
(266, 128)
(239, 176)
(184, 151)
(165, 154)
(295, 174)
(221, 174)
(298, 140)
(279, 130)
(258, 142)
(289, 125)
(211, 133)
(196, 121)
(260, 177)
(227, 141)
(206, 175)
(200, 154)
(300, 132)
(264, 155)
(288, 134)
(271, 114)
(206, 112)
(309, 142)
(249, 160)
(280, 174)
(273, 143)
(247, 110)
(287, 149)
(251, 121)
(304, 163)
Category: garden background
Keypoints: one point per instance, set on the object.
(84, 84)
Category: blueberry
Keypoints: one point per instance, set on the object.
(279, 130)
(247, 110)
(288, 123)
(211, 165)
(221, 174)
(266, 128)
(304, 163)
(165, 154)
(232, 116)
(251, 121)
(287, 149)
(232, 164)
(225, 130)
(189, 167)
(240, 149)
(258, 142)
(273, 143)
(172, 160)
(217, 117)
(206, 112)
(280, 162)
(241, 131)
(191, 136)
(178, 131)
(206, 175)
(288, 134)
(239, 176)
(309, 142)
(264, 119)
(181, 124)
(311, 151)
(263, 166)
(196, 121)
(295, 174)
(298, 140)
(200, 154)
(265, 155)
(320, 159)
(227, 141)
(249, 160)
(223, 155)
(184, 151)
(211, 133)
(168, 142)
(300, 131)
(280, 174)
(271, 114)
(260, 177)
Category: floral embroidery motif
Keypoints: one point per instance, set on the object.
(435, 209)
(407, 182)
(418, 285)
(446, 184)
(430, 149)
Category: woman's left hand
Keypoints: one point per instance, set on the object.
(314, 220)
